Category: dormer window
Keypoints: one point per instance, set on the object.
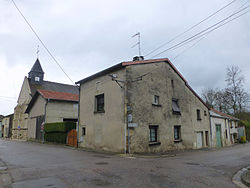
(37, 79)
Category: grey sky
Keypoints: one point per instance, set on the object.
(88, 36)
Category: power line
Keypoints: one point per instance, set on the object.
(189, 47)
(197, 34)
(177, 36)
(43, 44)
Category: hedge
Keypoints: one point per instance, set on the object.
(59, 127)
(58, 137)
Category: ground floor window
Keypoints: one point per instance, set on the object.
(177, 133)
(153, 129)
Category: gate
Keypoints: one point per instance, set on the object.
(72, 138)
(39, 121)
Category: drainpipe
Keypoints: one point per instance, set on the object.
(45, 112)
(78, 115)
(211, 138)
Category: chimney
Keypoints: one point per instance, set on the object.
(138, 58)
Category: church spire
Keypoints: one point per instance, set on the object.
(36, 73)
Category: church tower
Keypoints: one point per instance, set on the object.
(36, 73)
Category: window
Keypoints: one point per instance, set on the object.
(153, 133)
(175, 106)
(172, 83)
(37, 79)
(99, 100)
(177, 133)
(156, 100)
(198, 114)
(83, 131)
(226, 133)
(205, 113)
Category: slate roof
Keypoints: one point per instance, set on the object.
(37, 67)
(224, 115)
(53, 86)
(124, 64)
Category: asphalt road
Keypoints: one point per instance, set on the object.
(36, 165)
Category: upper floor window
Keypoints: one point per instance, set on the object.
(198, 112)
(99, 103)
(175, 106)
(205, 113)
(156, 100)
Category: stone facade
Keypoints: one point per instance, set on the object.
(144, 93)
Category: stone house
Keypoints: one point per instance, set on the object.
(7, 122)
(1, 131)
(220, 129)
(48, 107)
(224, 128)
(31, 84)
(141, 106)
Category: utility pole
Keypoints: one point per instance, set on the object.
(126, 105)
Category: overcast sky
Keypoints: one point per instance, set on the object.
(87, 36)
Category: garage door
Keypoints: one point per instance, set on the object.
(199, 139)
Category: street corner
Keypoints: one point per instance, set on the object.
(242, 178)
(245, 177)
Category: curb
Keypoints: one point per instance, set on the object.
(244, 177)
(237, 178)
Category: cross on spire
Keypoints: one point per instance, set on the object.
(37, 51)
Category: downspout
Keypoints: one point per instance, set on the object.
(210, 122)
(125, 113)
(45, 113)
(78, 115)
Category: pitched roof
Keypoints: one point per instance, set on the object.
(53, 86)
(127, 63)
(54, 95)
(224, 115)
(37, 67)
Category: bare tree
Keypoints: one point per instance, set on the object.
(236, 96)
(209, 96)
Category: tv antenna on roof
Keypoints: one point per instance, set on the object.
(138, 43)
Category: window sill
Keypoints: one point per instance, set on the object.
(177, 141)
(99, 112)
(157, 105)
(176, 113)
(198, 119)
(154, 143)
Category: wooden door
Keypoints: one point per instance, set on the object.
(199, 140)
(72, 138)
(218, 135)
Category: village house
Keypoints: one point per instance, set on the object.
(141, 106)
(220, 129)
(7, 122)
(224, 129)
(48, 107)
(31, 84)
(1, 131)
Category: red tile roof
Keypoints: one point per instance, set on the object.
(58, 95)
(223, 114)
